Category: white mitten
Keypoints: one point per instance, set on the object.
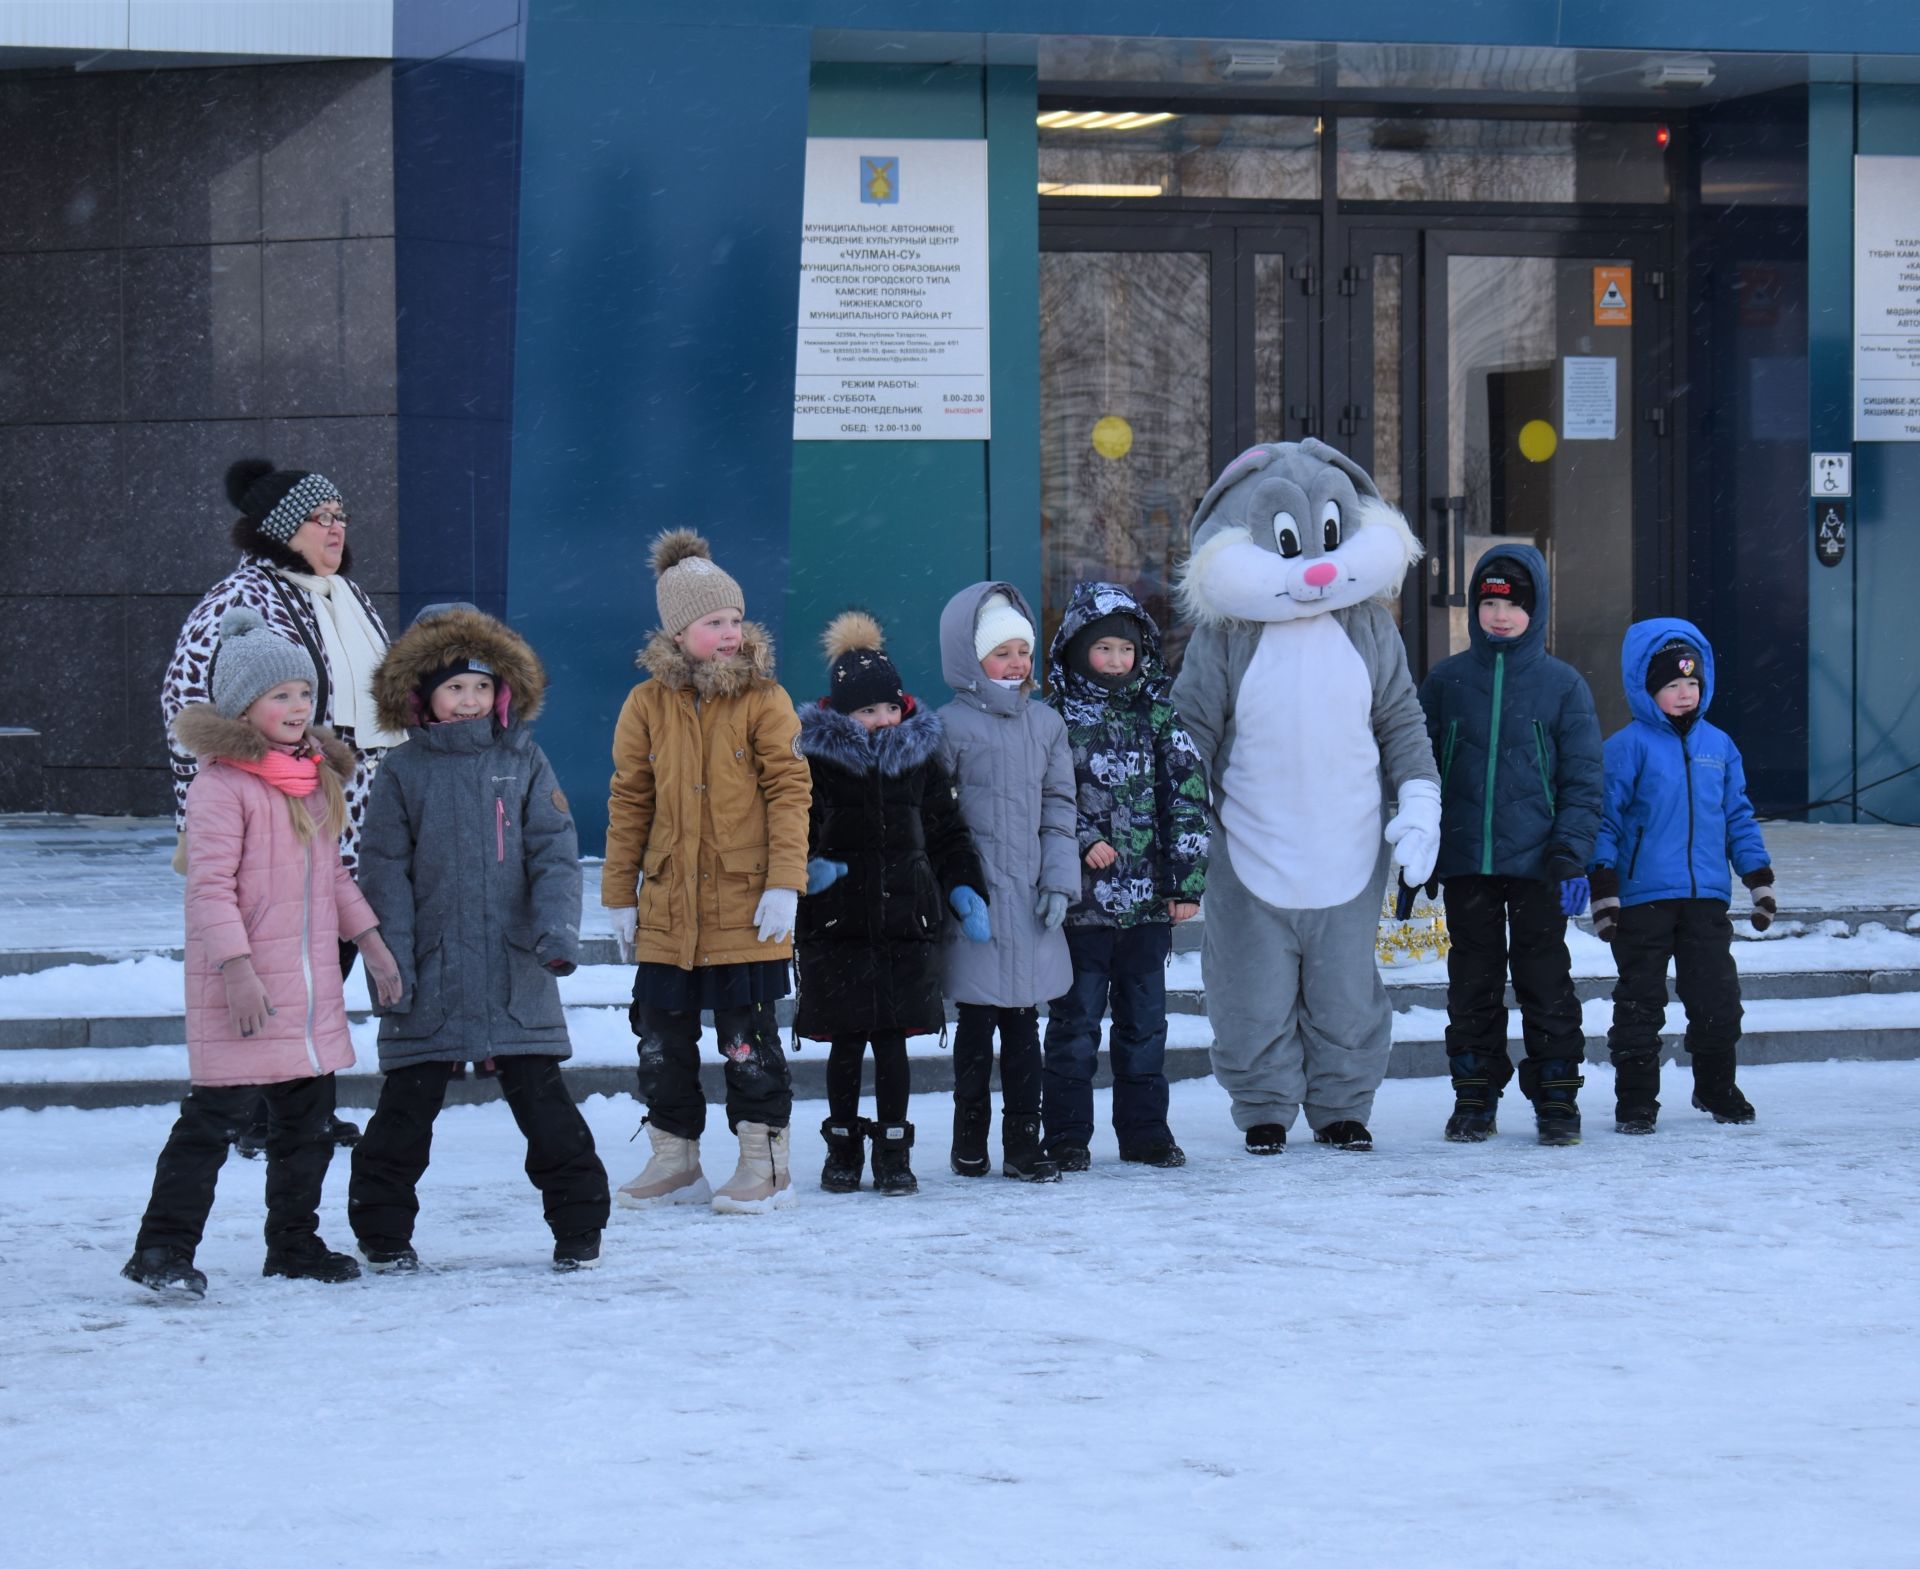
(1414, 832)
(625, 920)
(773, 916)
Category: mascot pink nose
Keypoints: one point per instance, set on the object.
(1321, 574)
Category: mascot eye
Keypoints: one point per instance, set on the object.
(1286, 534)
(1330, 526)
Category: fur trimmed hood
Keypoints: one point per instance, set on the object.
(829, 736)
(666, 662)
(206, 733)
(434, 642)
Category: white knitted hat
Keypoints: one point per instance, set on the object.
(998, 621)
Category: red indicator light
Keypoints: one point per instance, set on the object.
(1661, 136)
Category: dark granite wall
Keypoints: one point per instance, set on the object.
(195, 265)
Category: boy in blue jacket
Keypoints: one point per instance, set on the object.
(1520, 780)
(1676, 813)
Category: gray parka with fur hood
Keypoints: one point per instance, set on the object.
(469, 857)
(1010, 760)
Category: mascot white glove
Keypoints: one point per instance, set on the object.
(773, 916)
(623, 922)
(1414, 832)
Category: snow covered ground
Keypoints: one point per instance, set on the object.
(1692, 1349)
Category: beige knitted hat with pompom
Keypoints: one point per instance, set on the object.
(690, 585)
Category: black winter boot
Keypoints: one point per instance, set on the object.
(1636, 1093)
(1476, 1098)
(167, 1271)
(1715, 1092)
(1071, 1157)
(1553, 1085)
(1345, 1135)
(310, 1259)
(1163, 1153)
(1021, 1155)
(892, 1169)
(344, 1134)
(846, 1153)
(1266, 1138)
(971, 1122)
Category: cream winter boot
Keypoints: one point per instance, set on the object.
(673, 1175)
(762, 1181)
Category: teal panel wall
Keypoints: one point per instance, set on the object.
(899, 526)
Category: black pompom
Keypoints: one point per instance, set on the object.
(243, 476)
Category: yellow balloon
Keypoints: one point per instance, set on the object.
(1112, 437)
(1538, 440)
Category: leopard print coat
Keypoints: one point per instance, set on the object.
(289, 611)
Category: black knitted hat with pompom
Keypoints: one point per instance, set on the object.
(272, 504)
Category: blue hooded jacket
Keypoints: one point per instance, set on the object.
(1519, 748)
(1676, 804)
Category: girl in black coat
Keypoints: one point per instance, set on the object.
(888, 858)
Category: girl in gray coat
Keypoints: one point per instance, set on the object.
(469, 857)
(1013, 768)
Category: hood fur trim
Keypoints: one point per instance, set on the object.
(829, 736)
(664, 660)
(435, 643)
(206, 733)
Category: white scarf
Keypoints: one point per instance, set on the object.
(353, 648)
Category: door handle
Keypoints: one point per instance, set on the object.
(1447, 557)
(1308, 414)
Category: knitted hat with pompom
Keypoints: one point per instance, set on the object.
(858, 673)
(690, 585)
(252, 660)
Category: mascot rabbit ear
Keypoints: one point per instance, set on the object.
(1362, 480)
(1249, 462)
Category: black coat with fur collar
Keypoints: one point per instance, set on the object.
(870, 947)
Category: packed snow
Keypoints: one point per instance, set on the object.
(1689, 1349)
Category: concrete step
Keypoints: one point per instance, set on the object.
(933, 1075)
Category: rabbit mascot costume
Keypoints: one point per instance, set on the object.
(1296, 691)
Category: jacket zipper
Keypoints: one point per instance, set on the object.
(1686, 762)
(306, 952)
(499, 829)
(1634, 859)
(1493, 765)
(1540, 756)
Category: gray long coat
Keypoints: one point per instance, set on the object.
(1011, 762)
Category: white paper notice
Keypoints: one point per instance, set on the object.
(893, 292)
(1589, 397)
(1886, 299)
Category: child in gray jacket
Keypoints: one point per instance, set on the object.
(469, 857)
(1013, 768)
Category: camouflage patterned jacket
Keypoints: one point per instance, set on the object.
(1138, 781)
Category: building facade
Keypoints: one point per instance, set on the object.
(1582, 274)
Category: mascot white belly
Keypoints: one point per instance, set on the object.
(1300, 798)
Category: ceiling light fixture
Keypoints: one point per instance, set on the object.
(1692, 74)
(1050, 189)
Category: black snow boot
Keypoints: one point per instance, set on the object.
(167, 1271)
(1476, 1098)
(846, 1153)
(1163, 1153)
(971, 1122)
(1714, 1090)
(344, 1134)
(1636, 1093)
(571, 1254)
(310, 1259)
(1071, 1157)
(892, 1169)
(1345, 1135)
(1021, 1155)
(1266, 1138)
(1553, 1085)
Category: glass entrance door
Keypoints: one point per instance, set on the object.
(1164, 350)
(1544, 421)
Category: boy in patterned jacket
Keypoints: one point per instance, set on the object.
(1141, 820)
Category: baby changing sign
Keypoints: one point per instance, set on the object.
(892, 339)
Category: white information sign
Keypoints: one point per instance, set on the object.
(1589, 397)
(893, 292)
(1886, 299)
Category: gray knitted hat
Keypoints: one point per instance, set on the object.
(252, 660)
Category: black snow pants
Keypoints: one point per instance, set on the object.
(1697, 936)
(392, 1156)
(299, 1150)
(1020, 1059)
(1500, 926)
(759, 1087)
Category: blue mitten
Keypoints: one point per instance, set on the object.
(972, 910)
(1574, 893)
(823, 874)
(1052, 910)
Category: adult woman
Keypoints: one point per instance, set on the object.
(292, 535)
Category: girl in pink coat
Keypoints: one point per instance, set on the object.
(267, 903)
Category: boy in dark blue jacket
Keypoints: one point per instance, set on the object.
(1676, 812)
(1520, 783)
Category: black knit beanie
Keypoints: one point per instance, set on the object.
(1674, 659)
(859, 674)
(272, 504)
(1504, 578)
(1117, 623)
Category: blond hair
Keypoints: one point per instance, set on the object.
(333, 815)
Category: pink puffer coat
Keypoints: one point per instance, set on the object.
(254, 888)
